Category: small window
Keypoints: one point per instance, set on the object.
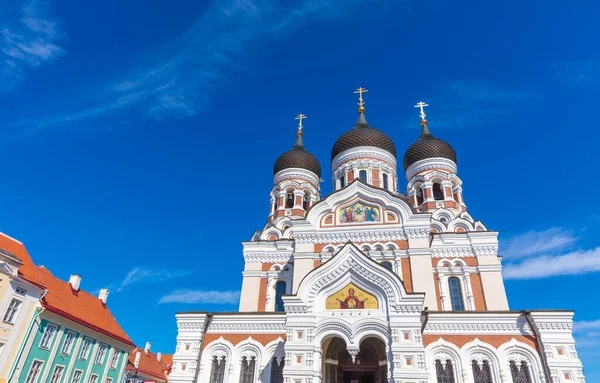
(13, 309)
(100, 354)
(94, 378)
(115, 359)
(342, 181)
(49, 332)
(183, 366)
(385, 181)
(68, 343)
(21, 291)
(289, 200)
(456, 297)
(362, 175)
(438, 192)
(34, 371)
(77, 376)
(109, 380)
(387, 265)
(85, 349)
(280, 288)
(306, 201)
(57, 374)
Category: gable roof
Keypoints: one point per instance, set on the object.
(80, 306)
(27, 270)
(149, 364)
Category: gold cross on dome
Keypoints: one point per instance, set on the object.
(421, 105)
(360, 92)
(300, 117)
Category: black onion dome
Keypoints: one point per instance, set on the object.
(363, 135)
(298, 157)
(428, 146)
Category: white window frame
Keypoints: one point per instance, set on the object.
(92, 380)
(84, 349)
(70, 348)
(59, 380)
(80, 376)
(115, 362)
(100, 355)
(37, 375)
(109, 380)
(14, 313)
(1, 348)
(47, 346)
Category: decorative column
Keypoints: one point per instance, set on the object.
(269, 294)
(443, 297)
(398, 265)
(469, 291)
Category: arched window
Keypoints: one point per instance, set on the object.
(342, 182)
(456, 297)
(276, 371)
(280, 287)
(444, 371)
(247, 370)
(385, 181)
(438, 193)
(306, 201)
(520, 372)
(482, 373)
(362, 175)
(217, 370)
(289, 200)
(387, 265)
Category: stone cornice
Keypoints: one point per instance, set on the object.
(362, 152)
(296, 173)
(430, 164)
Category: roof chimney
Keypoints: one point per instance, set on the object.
(147, 349)
(103, 296)
(138, 356)
(75, 281)
(159, 356)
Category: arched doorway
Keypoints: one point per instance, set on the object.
(369, 365)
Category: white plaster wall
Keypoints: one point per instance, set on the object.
(493, 290)
(301, 268)
(249, 296)
(423, 280)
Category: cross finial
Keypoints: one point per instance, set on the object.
(361, 102)
(300, 117)
(420, 105)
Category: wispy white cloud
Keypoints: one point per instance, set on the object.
(141, 274)
(584, 326)
(572, 263)
(537, 242)
(201, 296)
(468, 103)
(576, 73)
(178, 83)
(26, 43)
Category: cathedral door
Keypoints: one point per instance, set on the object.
(369, 366)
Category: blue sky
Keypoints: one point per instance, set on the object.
(139, 137)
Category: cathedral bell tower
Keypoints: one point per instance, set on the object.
(364, 153)
(296, 178)
(430, 166)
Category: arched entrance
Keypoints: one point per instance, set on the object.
(369, 365)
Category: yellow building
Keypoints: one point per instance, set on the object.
(21, 288)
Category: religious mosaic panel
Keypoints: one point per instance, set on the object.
(359, 212)
(351, 297)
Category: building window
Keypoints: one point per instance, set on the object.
(85, 349)
(306, 201)
(387, 265)
(444, 371)
(217, 370)
(342, 181)
(13, 309)
(385, 181)
(247, 372)
(21, 291)
(77, 376)
(94, 378)
(438, 193)
(57, 374)
(520, 372)
(109, 380)
(482, 373)
(1, 348)
(34, 371)
(115, 359)
(68, 343)
(362, 175)
(456, 297)
(289, 200)
(276, 371)
(100, 354)
(49, 332)
(280, 288)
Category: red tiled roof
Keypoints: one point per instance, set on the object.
(28, 270)
(80, 307)
(149, 364)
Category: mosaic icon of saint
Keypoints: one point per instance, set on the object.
(352, 301)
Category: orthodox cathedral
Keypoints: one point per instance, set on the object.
(370, 285)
